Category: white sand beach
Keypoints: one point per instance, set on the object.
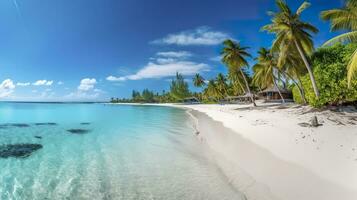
(266, 153)
(272, 157)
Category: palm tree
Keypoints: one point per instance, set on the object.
(234, 56)
(198, 80)
(265, 69)
(221, 84)
(291, 30)
(237, 82)
(212, 90)
(291, 66)
(344, 19)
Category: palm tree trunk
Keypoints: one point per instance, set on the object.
(241, 86)
(301, 89)
(308, 67)
(248, 89)
(281, 96)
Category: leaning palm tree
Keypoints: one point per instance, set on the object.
(344, 19)
(234, 56)
(291, 30)
(198, 80)
(265, 69)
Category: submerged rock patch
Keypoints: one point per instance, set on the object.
(2, 126)
(18, 150)
(18, 125)
(85, 123)
(38, 137)
(46, 124)
(78, 131)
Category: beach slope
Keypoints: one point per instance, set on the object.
(273, 154)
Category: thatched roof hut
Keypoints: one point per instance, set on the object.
(246, 98)
(272, 93)
(191, 100)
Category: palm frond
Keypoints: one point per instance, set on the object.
(352, 68)
(344, 18)
(309, 27)
(283, 6)
(303, 7)
(343, 38)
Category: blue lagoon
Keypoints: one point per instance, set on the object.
(102, 151)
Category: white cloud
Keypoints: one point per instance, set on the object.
(174, 54)
(87, 84)
(23, 84)
(113, 78)
(85, 91)
(216, 58)
(43, 82)
(165, 60)
(96, 90)
(200, 36)
(166, 64)
(6, 88)
(171, 56)
(160, 70)
(60, 83)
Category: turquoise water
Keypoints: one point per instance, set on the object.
(131, 152)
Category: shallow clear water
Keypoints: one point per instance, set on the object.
(131, 152)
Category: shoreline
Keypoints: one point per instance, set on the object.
(282, 159)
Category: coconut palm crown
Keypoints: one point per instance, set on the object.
(198, 80)
(265, 70)
(234, 56)
(290, 30)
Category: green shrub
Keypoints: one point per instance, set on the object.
(329, 67)
(296, 95)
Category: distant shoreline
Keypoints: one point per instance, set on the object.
(55, 102)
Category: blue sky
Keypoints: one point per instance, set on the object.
(89, 50)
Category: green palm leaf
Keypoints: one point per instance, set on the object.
(352, 68)
(303, 7)
(343, 38)
(344, 19)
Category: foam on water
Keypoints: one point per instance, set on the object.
(130, 152)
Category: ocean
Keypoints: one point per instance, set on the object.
(101, 151)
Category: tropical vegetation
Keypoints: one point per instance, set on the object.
(319, 77)
(344, 19)
(234, 56)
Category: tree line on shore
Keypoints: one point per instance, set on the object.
(325, 76)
